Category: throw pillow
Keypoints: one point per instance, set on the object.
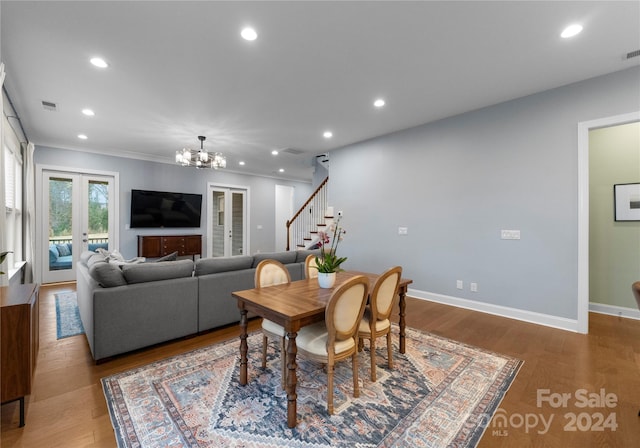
(171, 257)
(107, 275)
(63, 250)
(53, 253)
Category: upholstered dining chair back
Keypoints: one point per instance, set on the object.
(310, 267)
(345, 309)
(384, 293)
(271, 272)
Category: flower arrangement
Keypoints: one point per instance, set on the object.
(329, 261)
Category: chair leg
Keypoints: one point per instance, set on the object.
(354, 362)
(372, 347)
(330, 389)
(389, 350)
(265, 341)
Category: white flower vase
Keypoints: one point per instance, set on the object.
(326, 279)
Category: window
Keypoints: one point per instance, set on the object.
(13, 195)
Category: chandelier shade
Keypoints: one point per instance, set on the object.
(200, 158)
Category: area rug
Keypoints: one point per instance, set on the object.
(440, 393)
(68, 321)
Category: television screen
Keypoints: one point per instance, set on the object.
(164, 209)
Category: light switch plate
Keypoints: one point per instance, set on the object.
(510, 234)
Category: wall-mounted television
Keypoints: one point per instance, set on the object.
(165, 209)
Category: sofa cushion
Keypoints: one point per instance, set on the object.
(301, 255)
(206, 266)
(283, 257)
(150, 272)
(108, 275)
(63, 250)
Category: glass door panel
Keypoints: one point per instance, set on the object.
(60, 192)
(237, 237)
(228, 222)
(217, 224)
(97, 216)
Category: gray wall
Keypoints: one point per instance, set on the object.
(457, 182)
(139, 174)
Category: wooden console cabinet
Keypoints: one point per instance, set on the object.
(154, 246)
(20, 328)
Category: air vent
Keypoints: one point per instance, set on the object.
(633, 54)
(293, 151)
(48, 105)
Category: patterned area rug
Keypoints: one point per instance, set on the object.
(440, 393)
(68, 321)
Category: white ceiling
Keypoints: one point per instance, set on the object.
(180, 69)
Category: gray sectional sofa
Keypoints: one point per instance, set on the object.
(126, 307)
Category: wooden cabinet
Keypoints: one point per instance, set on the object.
(154, 246)
(20, 328)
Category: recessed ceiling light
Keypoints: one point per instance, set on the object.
(274, 152)
(571, 31)
(379, 102)
(281, 170)
(241, 162)
(327, 134)
(82, 137)
(88, 112)
(249, 33)
(99, 62)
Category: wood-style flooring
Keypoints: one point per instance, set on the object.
(67, 407)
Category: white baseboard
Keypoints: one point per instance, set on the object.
(513, 313)
(613, 310)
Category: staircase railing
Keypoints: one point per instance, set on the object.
(304, 224)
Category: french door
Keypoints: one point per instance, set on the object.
(227, 221)
(78, 214)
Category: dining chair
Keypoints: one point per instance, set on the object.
(375, 322)
(335, 339)
(636, 293)
(268, 273)
(310, 267)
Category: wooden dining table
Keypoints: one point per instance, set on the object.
(294, 305)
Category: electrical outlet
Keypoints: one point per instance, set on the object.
(403, 231)
(473, 287)
(459, 284)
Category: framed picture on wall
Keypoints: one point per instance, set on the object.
(626, 198)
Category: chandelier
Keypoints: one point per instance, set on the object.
(200, 158)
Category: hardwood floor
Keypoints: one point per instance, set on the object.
(67, 406)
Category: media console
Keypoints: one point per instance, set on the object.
(155, 246)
